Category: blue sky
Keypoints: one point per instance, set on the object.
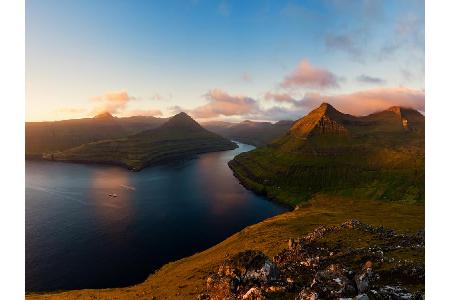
(231, 60)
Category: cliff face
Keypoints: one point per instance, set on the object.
(179, 138)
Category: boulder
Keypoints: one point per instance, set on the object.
(333, 282)
(308, 294)
(254, 294)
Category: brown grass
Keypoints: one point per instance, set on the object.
(186, 278)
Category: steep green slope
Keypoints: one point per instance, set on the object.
(249, 132)
(43, 137)
(180, 137)
(380, 156)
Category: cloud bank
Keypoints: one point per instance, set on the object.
(360, 102)
(220, 103)
(307, 75)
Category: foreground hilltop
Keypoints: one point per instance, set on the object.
(399, 265)
(41, 137)
(379, 156)
(179, 138)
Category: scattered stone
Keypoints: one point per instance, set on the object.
(253, 294)
(319, 266)
(308, 294)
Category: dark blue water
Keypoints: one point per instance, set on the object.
(79, 237)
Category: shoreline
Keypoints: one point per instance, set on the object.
(186, 278)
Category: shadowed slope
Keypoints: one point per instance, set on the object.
(43, 137)
(179, 138)
(250, 132)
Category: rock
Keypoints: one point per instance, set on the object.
(368, 265)
(203, 297)
(250, 265)
(365, 279)
(392, 292)
(333, 282)
(253, 294)
(318, 266)
(221, 287)
(308, 294)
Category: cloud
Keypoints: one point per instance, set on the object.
(366, 101)
(307, 75)
(143, 112)
(344, 42)
(221, 103)
(409, 34)
(280, 97)
(112, 102)
(160, 97)
(369, 79)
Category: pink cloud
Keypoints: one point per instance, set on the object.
(307, 75)
(280, 97)
(366, 101)
(221, 103)
(112, 102)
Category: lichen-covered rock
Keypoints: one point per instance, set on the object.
(308, 294)
(250, 265)
(333, 282)
(254, 293)
(319, 266)
(221, 287)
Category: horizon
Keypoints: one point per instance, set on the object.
(222, 60)
(108, 114)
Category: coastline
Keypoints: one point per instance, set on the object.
(186, 278)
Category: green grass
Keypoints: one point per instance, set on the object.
(186, 278)
(179, 138)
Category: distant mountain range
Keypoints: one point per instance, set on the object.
(179, 137)
(379, 156)
(43, 137)
(250, 132)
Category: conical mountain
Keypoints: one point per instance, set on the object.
(180, 137)
(379, 156)
(323, 120)
(104, 116)
(182, 121)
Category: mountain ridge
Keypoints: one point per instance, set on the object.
(180, 137)
(379, 156)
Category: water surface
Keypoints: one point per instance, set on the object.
(78, 236)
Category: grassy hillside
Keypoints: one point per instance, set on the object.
(249, 132)
(43, 137)
(180, 137)
(380, 156)
(186, 278)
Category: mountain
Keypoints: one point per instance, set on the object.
(250, 132)
(43, 137)
(179, 137)
(379, 156)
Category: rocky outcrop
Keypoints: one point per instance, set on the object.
(349, 261)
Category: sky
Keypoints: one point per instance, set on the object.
(222, 60)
